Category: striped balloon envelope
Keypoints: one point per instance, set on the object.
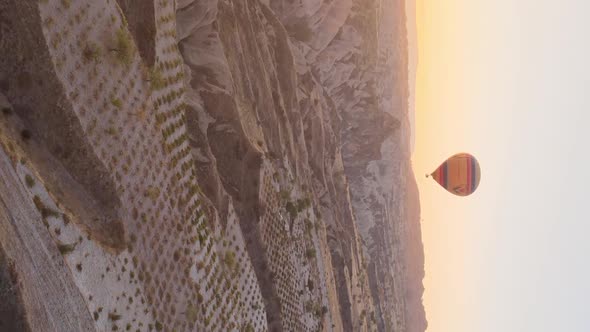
(459, 174)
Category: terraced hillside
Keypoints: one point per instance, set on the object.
(205, 165)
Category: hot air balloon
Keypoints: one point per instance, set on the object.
(459, 174)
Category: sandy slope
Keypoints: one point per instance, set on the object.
(51, 299)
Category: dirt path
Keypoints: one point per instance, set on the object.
(51, 299)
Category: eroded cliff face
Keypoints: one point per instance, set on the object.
(255, 157)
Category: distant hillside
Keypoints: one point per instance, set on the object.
(414, 257)
(413, 59)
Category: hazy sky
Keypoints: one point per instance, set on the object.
(509, 81)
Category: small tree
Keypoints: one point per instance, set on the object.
(124, 47)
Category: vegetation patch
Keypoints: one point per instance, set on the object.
(192, 313)
(152, 192)
(310, 253)
(156, 79)
(294, 208)
(92, 52)
(114, 316)
(29, 181)
(65, 249)
(116, 102)
(44, 210)
(230, 259)
(124, 48)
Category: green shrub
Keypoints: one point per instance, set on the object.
(247, 328)
(230, 259)
(45, 211)
(291, 209)
(310, 253)
(156, 79)
(124, 47)
(303, 204)
(29, 181)
(116, 102)
(66, 248)
(192, 313)
(114, 317)
(152, 192)
(285, 195)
